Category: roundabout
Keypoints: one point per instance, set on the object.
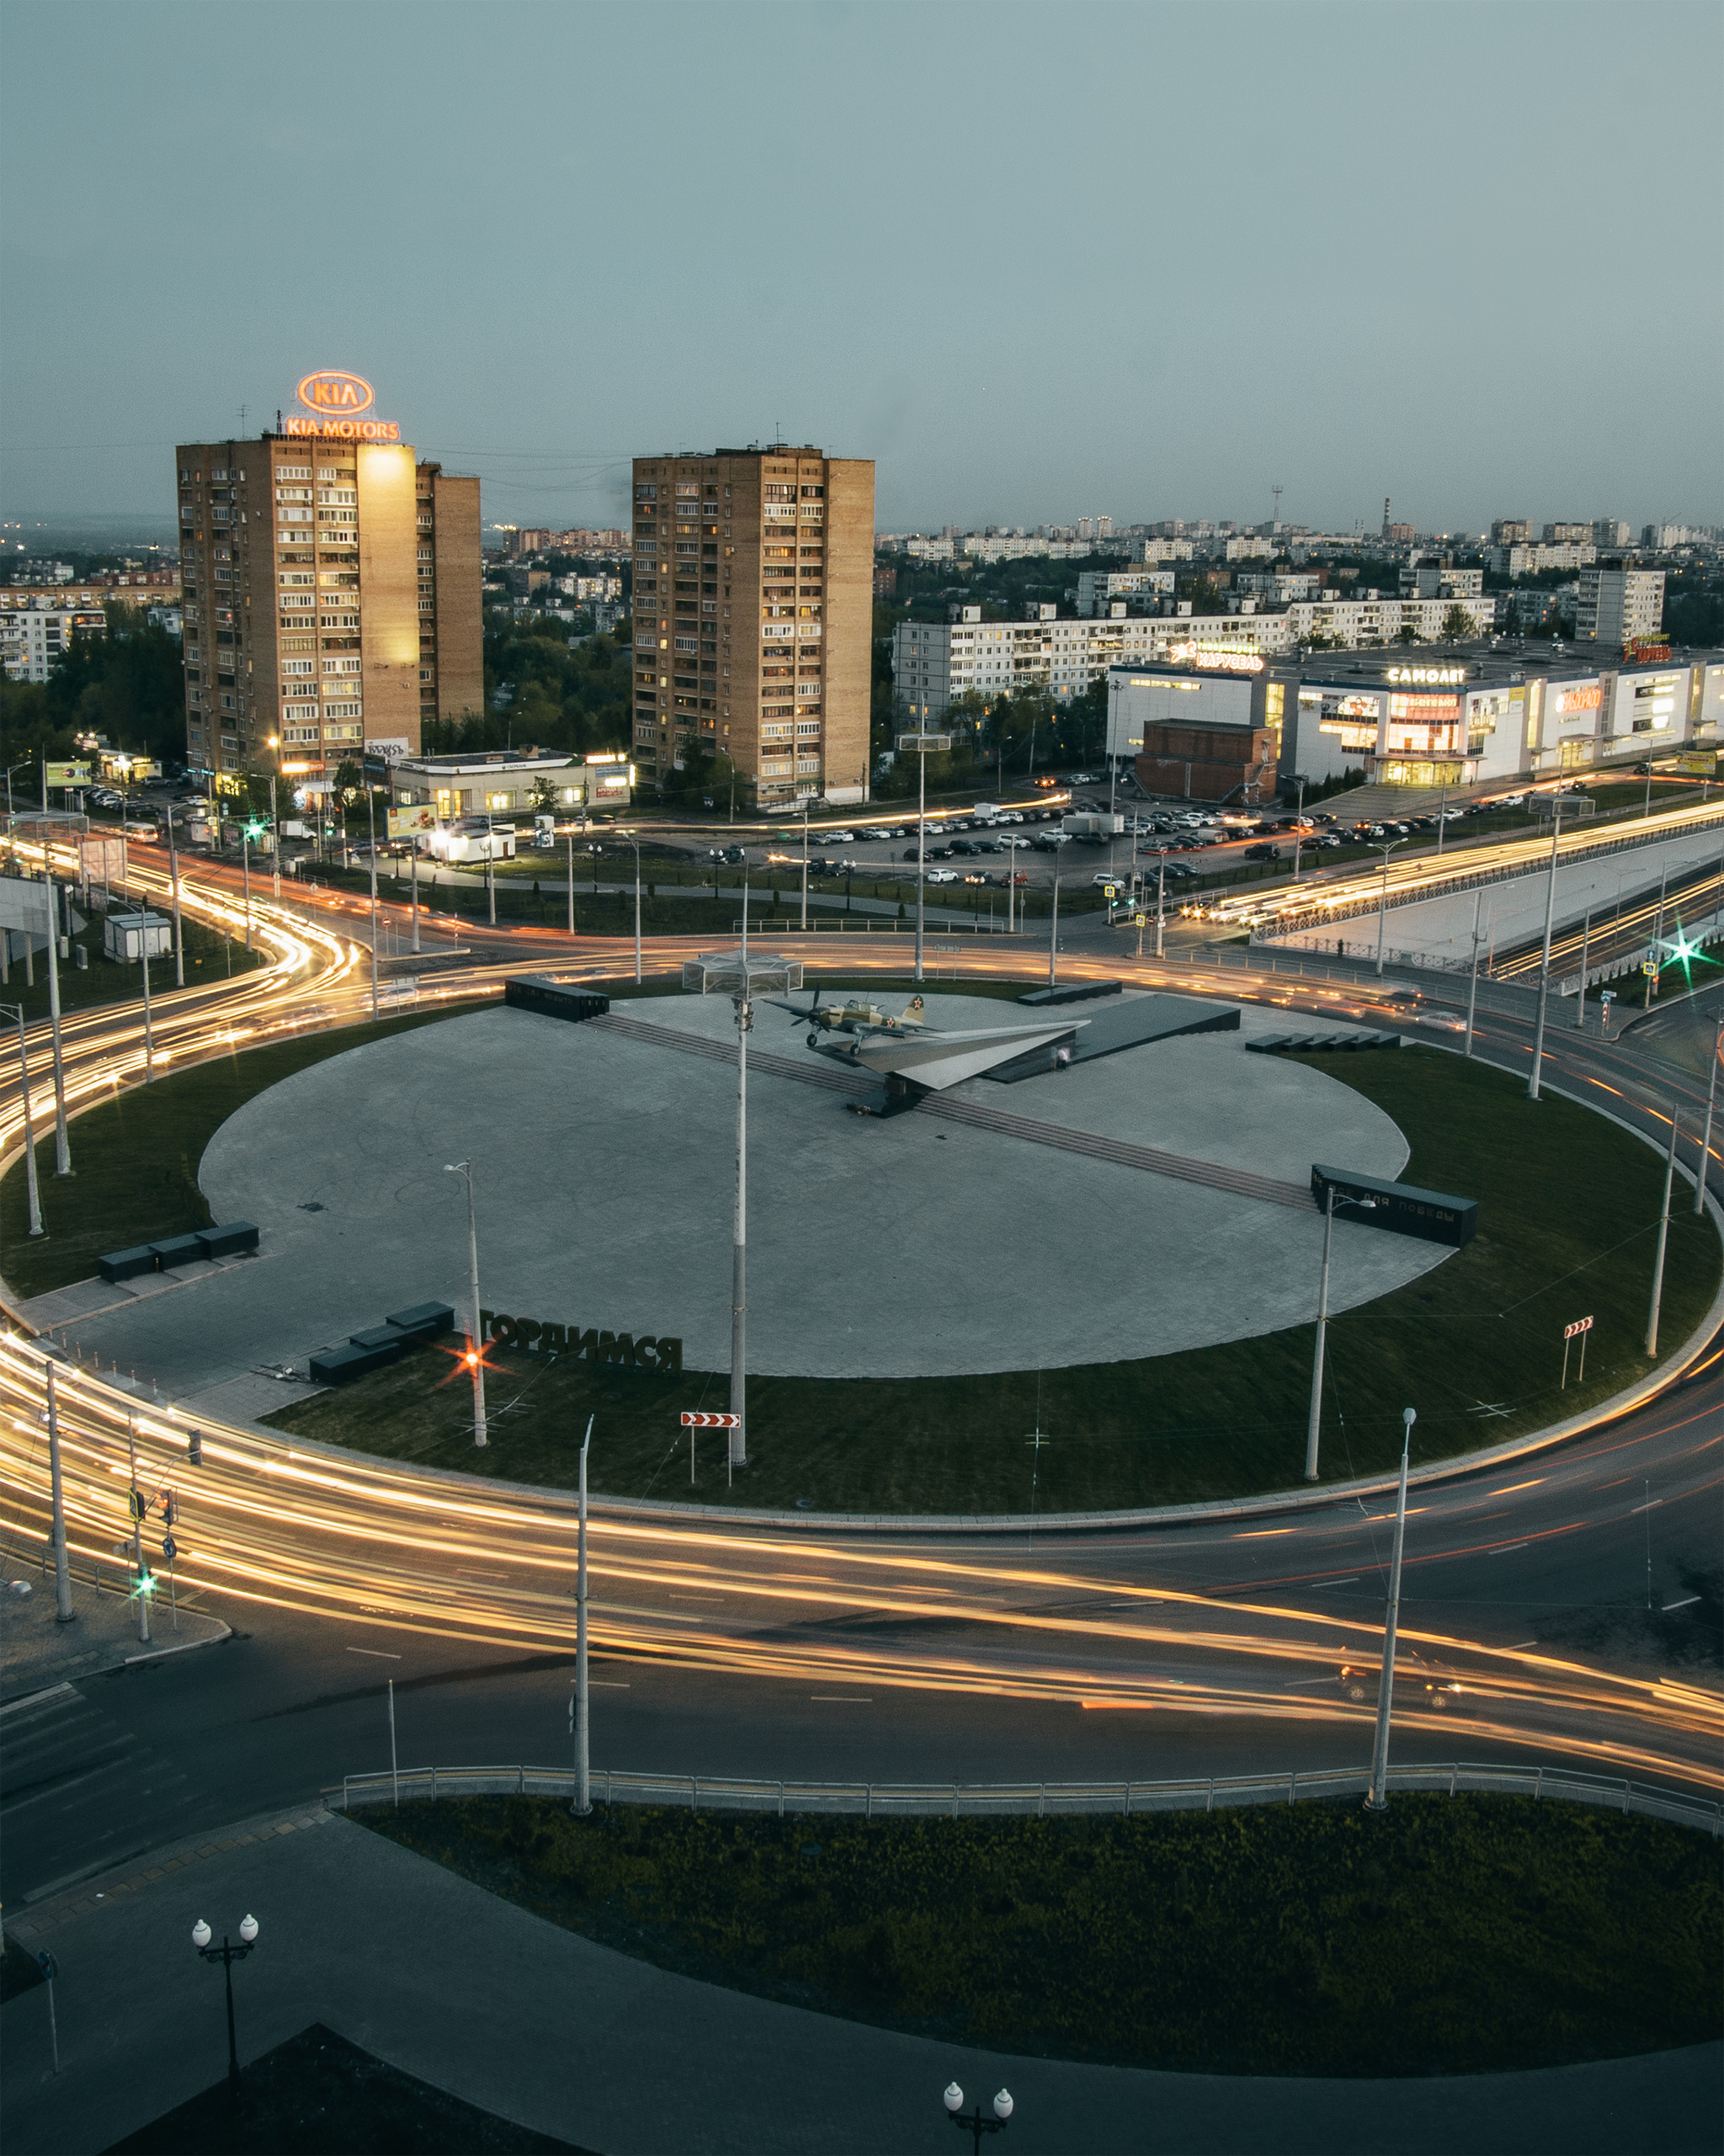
(918, 1247)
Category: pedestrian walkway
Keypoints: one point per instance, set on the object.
(37, 1652)
(533, 2023)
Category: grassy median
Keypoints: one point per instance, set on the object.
(1568, 1209)
(1464, 1934)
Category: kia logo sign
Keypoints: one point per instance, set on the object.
(330, 390)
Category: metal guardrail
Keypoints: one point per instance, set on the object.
(998, 1800)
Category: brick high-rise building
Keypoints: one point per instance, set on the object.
(754, 607)
(331, 597)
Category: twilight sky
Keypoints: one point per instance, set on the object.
(1036, 260)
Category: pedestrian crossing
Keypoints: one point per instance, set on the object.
(78, 1792)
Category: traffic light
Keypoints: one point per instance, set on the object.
(137, 1504)
(169, 1508)
(194, 1449)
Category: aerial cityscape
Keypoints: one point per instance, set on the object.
(571, 1580)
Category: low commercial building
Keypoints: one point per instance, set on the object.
(1200, 732)
(519, 783)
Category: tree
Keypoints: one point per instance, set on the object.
(543, 795)
(1457, 626)
(1406, 634)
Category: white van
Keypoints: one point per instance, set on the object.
(473, 838)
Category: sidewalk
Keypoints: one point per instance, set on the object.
(36, 1653)
(525, 2019)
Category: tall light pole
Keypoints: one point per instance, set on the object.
(173, 888)
(571, 878)
(1700, 1180)
(274, 819)
(739, 1232)
(1383, 907)
(922, 742)
(475, 1341)
(634, 839)
(245, 856)
(227, 1956)
(1586, 939)
(371, 855)
(1315, 1418)
(62, 1150)
(1538, 1038)
(63, 1612)
(1658, 1257)
(135, 1500)
(1161, 895)
(1479, 899)
(1298, 824)
(1378, 1800)
(805, 864)
(584, 1780)
(29, 1139)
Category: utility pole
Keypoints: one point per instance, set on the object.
(1161, 899)
(1663, 1231)
(1383, 908)
(414, 877)
(1315, 1418)
(571, 880)
(245, 856)
(921, 848)
(1378, 1800)
(135, 1500)
(173, 887)
(371, 851)
(738, 1451)
(489, 877)
(805, 865)
(1586, 942)
(63, 1612)
(1699, 1180)
(1298, 827)
(149, 1040)
(1478, 900)
(584, 1788)
(31, 1190)
(475, 1343)
(62, 1150)
(1538, 1038)
(1053, 933)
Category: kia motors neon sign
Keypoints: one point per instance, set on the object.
(335, 399)
(1218, 657)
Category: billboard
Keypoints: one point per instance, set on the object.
(68, 774)
(408, 822)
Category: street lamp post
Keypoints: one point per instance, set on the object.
(1315, 1418)
(1298, 825)
(149, 1037)
(1586, 939)
(1378, 1800)
(475, 1343)
(634, 839)
(571, 878)
(62, 1150)
(1053, 933)
(805, 864)
(583, 1776)
(245, 856)
(739, 1233)
(174, 889)
(1478, 900)
(1699, 1178)
(31, 1189)
(135, 1500)
(1659, 1250)
(1538, 1038)
(976, 2123)
(227, 1955)
(1383, 908)
(922, 742)
(274, 818)
(371, 853)
(62, 1569)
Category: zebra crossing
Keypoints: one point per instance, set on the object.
(78, 1792)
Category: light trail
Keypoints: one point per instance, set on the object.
(267, 1522)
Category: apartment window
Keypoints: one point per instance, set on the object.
(294, 472)
(344, 733)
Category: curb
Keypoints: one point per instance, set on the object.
(179, 1647)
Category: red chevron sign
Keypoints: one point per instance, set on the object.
(712, 1422)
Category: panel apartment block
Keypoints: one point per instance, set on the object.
(324, 603)
(753, 617)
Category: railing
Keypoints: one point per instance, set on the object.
(867, 924)
(996, 1800)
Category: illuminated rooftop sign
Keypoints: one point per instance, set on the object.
(333, 402)
(1436, 677)
(1218, 655)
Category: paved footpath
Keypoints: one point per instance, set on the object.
(532, 2022)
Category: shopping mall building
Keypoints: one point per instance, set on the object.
(1457, 717)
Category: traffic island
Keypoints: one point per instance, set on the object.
(1447, 1936)
(1567, 1229)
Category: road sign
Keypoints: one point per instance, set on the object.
(710, 1422)
(1649, 966)
(170, 1548)
(1580, 1325)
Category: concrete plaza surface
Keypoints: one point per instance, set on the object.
(604, 1168)
(532, 2022)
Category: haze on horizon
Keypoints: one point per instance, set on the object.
(1039, 261)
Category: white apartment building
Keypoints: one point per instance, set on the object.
(1528, 560)
(1607, 531)
(1568, 535)
(1159, 550)
(1660, 537)
(33, 640)
(935, 663)
(1283, 586)
(1250, 548)
(1438, 580)
(1616, 604)
(1097, 589)
(1002, 547)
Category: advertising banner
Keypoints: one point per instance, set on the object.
(68, 774)
(1696, 764)
(408, 822)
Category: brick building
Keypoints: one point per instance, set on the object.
(753, 617)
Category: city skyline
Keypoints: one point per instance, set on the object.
(1321, 266)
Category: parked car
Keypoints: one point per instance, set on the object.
(942, 875)
(1264, 853)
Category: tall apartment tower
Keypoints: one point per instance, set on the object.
(1616, 603)
(332, 597)
(753, 605)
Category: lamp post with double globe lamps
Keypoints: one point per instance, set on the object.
(227, 1955)
(973, 2123)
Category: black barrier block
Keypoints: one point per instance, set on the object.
(127, 1264)
(1080, 992)
(337, 1364)
(180, 1250)
(225, 1242)
(423, 1322)
(378, 1336)
(1432, 1215)
(554, 998)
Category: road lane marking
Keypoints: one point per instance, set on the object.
(376, 1651)
(844, 1698)
(1507, 1549)
(1682, 1604)
(1353, 1582)
(1258, 1534)
(1508, 1486)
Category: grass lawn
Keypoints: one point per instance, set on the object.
(136, 1160)
(1569, 1213)
(317, 2091)
(208, 957)
(1461, 1935)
